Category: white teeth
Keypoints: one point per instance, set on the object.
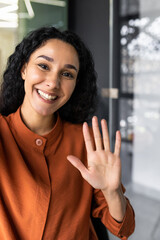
(46, 96)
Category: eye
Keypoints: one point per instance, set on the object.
(67, 74)
(43, 66)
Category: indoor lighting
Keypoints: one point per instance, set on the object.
(8, 24)
(57, 3)
(9, 2)
(8, 9)
(9, 17)
(8, 14)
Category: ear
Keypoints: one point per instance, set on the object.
(23, 71)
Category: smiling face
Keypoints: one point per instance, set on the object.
(49, 77)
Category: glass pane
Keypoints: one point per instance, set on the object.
(18, 17)
(38, 13)
(126, 119)
(140, 82)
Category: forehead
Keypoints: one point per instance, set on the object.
(58, 48)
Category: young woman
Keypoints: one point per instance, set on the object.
(55, 171)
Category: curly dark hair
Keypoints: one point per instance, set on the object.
(83, 100)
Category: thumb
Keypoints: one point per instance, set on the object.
(76, 162)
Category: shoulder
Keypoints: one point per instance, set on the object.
(2, 119)
(4, 126)
(5, 122)
(5, 118)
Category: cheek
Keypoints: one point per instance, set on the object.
(29, 83)
(26, 86)
(32, 77)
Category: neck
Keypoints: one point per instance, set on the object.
(37, 123)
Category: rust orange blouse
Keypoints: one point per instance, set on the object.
(42, 196)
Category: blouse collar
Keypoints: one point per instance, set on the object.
(27, 137)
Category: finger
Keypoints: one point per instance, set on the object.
(87, 138)
(76, 162)
(105, 134)
(117, 148)
(97, 134)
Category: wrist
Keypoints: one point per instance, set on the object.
(112, 192)
(116, 203)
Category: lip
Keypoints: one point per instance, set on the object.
(49, 93)
(50, 101)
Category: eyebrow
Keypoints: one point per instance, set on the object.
(52, 60)
(46, 57)
(71, 67)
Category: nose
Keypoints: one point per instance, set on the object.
(53, 81)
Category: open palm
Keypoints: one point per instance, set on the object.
(104, 167)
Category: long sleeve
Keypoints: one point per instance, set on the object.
(100, 210)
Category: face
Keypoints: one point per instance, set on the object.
(49, 77)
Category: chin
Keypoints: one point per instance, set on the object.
(45, 112)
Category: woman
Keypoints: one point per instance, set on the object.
(54, 172)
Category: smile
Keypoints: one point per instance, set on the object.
(46, 96)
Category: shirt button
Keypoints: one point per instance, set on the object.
(39, 142)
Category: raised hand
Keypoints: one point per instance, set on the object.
(104, 167)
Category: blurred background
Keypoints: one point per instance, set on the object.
(124, 37)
